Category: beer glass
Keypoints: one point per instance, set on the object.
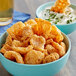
(6, 12)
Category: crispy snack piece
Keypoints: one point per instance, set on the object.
(27, 32)
(12, 55)
(22, 50)
(33, 57)
(9, 40)
(50, 49)
(16, 30)
(7, 45)
(42, 27)
(37, 42)
(63, 45)
(59, 47)
(17, 43)
(50, 58)
(5, 48)
(58, 37)
(60, 6)
(30, 22)
(26, 35)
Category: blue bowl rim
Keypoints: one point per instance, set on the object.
(69, 48)
(53, 23)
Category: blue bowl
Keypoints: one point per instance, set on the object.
(66, 28)
(48, 69)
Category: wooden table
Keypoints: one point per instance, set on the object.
(30, 6)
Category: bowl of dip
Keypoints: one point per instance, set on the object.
(66, 22)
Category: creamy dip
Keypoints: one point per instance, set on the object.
(58, 18)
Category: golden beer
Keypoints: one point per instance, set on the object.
(6, 12)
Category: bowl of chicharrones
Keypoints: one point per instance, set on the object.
(35, 48)
(61, 13)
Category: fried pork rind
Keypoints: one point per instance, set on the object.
(50, 58)
(27, 32)
(12, 55)
(7, 45)
(17, 43)
(37, 42)
(58, 37)
(30, 22)
(16, 30)
(50, 49)
(59, 47)
(26, 35)
(33, 57)
(22, 50)
(9, 40)
(63, 45)
(60, 6)
(5, 48)
(42, 27)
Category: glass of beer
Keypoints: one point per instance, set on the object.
(6, 12)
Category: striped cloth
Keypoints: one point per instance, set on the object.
(17, 16)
